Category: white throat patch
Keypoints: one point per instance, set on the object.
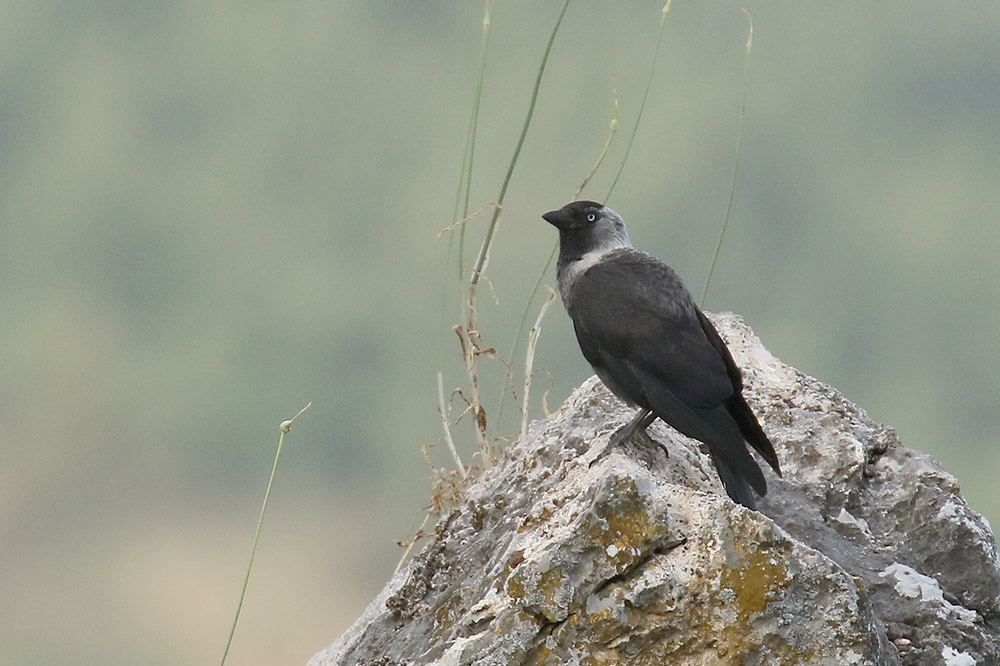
(577, 268)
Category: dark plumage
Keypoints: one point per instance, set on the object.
(640, 329)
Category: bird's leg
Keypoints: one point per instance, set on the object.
(642, 419)
(639, 422)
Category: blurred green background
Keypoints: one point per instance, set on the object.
(212, 213)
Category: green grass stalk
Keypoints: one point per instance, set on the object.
(604, 153)
(736, 161)
(285, 427)
(461, 210)
(548, 262)
(483, 256)
(468, 157)
(642, 105)
(470, 334)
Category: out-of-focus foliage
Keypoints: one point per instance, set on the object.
(212, 213)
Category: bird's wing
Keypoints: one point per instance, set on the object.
(638, 314)
(639, 327)
(717, 343)
(737, 405)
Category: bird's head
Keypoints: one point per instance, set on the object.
(587, 226)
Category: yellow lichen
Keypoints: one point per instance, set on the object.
(756, 579)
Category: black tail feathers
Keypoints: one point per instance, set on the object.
(737, 487)
(752, 432)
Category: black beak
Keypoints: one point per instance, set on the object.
(559, 218)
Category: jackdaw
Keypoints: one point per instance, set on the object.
(640, 329)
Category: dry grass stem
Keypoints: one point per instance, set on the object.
(529, 360)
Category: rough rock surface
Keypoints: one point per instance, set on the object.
(864, 553)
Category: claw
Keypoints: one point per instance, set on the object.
(637, 425)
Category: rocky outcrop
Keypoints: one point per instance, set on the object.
(864, 553)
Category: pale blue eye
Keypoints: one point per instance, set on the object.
(591, 217)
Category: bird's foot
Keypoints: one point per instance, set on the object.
(625, 433)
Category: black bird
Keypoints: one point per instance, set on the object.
(640, 329)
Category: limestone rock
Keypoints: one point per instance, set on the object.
(864, 553)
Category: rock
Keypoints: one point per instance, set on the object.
(864, 553)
